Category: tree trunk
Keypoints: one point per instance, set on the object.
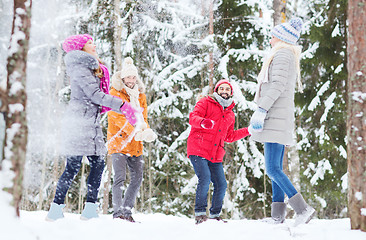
(211, 63)
(82, 185)
(107, 185)
(117, 36)
(279, 14)
(14, 99)
(356, 122)
(150, 179)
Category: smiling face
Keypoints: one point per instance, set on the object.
(224, 90)
(90, 48)
(130, 81)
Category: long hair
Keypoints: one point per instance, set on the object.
(99, 72)
(297, 52)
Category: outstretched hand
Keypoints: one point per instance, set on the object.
(130, 112)
(257, 120)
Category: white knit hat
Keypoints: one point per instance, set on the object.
(288, 32)
(128, 69)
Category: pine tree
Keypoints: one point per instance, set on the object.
(241, 41)
(322, 105)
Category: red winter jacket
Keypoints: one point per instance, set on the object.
(209, 143)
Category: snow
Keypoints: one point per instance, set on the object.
(328, 105)
(11, 132)
(17, 107)
(316, 100)
(320, 170)
(60, 21)
(363, 211)
(342, 151)
(32, 225)
(344, 182)
(15, 87)
(358, 196)
(322, 202)
(358, 96)
(338, 69)
(336, 31)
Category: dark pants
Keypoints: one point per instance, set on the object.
(72, 168)
(122, 206)
(207, 172)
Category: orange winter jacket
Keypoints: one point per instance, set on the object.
(116, 138)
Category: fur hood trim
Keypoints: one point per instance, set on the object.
(82, 58)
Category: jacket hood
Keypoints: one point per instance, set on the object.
(82, 58)
(119, 85)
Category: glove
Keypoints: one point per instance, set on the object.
(207, 124)
(143, 125)
(138, 136)
(257, 120)
(129, 112)
(147, 135)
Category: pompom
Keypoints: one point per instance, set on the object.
(296, 23)
(128, 61)
(128, 69)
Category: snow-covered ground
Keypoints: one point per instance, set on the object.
(32, 225)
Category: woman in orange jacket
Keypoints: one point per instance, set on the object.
(125, 139)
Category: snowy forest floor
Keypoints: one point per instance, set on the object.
(32, 225)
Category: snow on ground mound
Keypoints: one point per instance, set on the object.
(160, 227)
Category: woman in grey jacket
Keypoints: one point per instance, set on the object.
(82, 135)
(273, 121)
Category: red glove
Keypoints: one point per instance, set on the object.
(129, 112)
(207, 124)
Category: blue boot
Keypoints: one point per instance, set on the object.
(90, 211)
(55, 212)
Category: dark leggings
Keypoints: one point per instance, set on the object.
(72, 168)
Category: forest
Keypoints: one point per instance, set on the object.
(181, 48)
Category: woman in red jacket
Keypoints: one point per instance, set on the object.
(212, 122)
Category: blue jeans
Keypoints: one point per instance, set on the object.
(72, 168)
(281, 184)
(207, 172)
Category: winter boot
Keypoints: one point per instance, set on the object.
(90, 211)
(304, 212)
(127, 218)
(218, 218)
(278, 213)
(55, 212)
(200, 219)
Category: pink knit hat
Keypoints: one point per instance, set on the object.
(222, 81)
(76, 42)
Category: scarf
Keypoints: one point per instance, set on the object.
(134, 94)
(263, 74)
(104, 85)
(222, 101)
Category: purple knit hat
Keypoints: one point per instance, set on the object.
(76, 42)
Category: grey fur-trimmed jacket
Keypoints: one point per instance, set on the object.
(277, 97)
(82, 133)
